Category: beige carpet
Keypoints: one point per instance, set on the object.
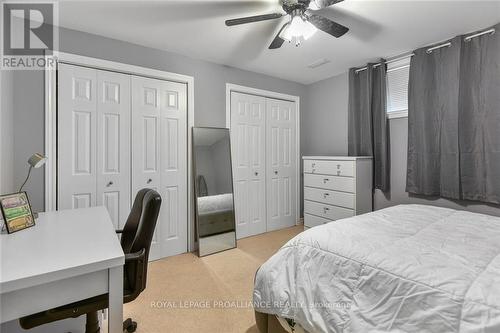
(212, 294)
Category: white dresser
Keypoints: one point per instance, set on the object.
(336, 187)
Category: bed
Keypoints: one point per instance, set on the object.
(408, 268)
(215, 214)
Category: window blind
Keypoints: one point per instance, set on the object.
(397, 86)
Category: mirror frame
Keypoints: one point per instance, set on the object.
(195, 187)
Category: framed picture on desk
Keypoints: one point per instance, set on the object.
(16, 211)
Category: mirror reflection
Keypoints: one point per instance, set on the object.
(214, 190)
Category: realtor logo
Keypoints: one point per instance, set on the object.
(28, 34)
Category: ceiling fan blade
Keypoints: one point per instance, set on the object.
(278, 41)
(325, 3)
(328, 26)
(250, 19)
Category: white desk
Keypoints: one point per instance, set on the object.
(67, 256)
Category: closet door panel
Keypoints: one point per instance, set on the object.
(281, 164)
(248, 142)
(159, 155)
(77, 122)
(173, 163)
(146, 144)
(113, 145)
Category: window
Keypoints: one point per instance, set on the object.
(398, 73)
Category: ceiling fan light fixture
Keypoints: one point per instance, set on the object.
(298, 30)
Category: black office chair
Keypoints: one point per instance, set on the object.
(136, 241)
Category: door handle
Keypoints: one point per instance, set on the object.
(149, 181)
(109, 184)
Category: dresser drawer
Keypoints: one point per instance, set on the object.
(327, 211)
(342, 199)
(312, 221)
(336, 168)
(343, 184)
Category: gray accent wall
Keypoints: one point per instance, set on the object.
(29, 132)
(23, 114)
(209, 93)
(324, 122)
(6, 132)
(323, 113)
(324, 132)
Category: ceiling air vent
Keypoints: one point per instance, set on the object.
(318, 63)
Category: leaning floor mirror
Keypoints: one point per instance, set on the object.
(215, 219)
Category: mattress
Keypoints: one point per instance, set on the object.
(215, 203)
(409, 268)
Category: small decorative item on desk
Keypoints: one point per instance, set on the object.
(16, 211)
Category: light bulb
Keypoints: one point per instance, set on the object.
(297, 30)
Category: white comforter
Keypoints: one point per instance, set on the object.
(215, 203)
(408, 268)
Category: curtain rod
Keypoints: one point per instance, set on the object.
(490, 31)
(437, 47)
(429, 50)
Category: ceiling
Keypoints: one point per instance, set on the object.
(196, 28)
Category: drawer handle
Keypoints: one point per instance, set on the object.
(325, 209)
(338, 173)
(313, 170)
(313, 165)
(149, 181)
(256, 173)
(326, 195)
(338, 166)
(325, 180)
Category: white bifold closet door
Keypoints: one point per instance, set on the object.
(119, 133)
(94, 140)
(248, 131)
(281, 164)
(159, 157)
(264, 163)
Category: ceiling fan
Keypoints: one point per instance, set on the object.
(304, 21)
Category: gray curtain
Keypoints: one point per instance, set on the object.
(433, 159)
(454, 120)
(367, 132)
(479, 118)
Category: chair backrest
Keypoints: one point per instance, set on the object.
(137, 236)
(141, 222)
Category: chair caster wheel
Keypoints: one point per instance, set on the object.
(129, 325)
(132, 328)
